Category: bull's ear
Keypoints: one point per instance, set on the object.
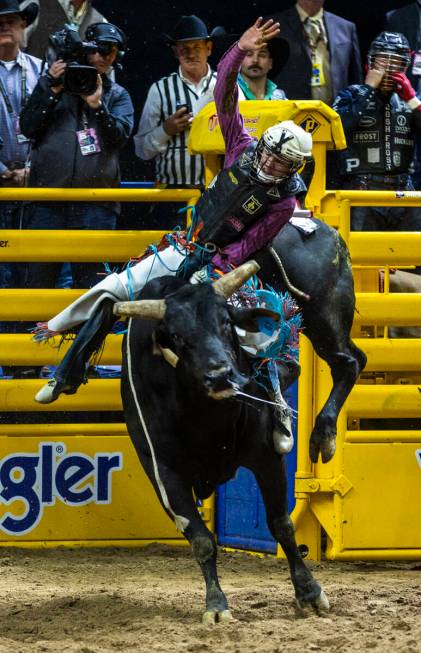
(248, 318)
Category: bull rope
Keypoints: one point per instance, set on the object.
(180, 521)
(290, 287)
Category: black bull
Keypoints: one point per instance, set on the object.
(186, 440)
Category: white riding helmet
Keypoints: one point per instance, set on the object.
(288, 142)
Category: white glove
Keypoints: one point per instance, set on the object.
(201, 276)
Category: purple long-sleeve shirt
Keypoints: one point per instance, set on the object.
(236, 140)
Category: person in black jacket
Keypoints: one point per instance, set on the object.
(380, 119)
(76, 141)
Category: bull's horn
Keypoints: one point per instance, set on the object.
(144, 309)
(232, 281)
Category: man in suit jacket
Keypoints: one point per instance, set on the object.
(324, 52)
(407, 21)
(53, 15)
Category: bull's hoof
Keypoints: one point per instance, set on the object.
(320, 604)
(326, 447)
(211, 617)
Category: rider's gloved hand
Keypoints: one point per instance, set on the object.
(201, 276)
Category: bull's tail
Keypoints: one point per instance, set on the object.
(290, 287)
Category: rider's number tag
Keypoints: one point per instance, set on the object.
(88, 141)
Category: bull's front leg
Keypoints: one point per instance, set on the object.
(176, 496)
(271, 476)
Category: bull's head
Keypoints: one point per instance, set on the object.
(196, 325)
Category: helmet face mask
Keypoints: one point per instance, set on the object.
(281, 151)
(390, 52)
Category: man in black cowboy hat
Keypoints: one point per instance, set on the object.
(258, 70)
(170, 106)
(19, 73)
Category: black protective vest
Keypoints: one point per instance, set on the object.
(382, 142)
(233, 202)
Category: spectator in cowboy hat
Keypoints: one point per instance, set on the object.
(19, 73)
(259, 68)
(171, 104)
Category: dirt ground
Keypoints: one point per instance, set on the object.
(152, 599)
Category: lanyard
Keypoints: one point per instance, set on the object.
(22, 90)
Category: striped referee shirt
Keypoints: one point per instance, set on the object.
(175, 166)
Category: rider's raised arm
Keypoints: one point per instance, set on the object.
(226, 89)
(226, 98)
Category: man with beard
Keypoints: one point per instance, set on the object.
(259, 68)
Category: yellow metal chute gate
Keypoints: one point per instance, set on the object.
(367, 498)
(70, 483)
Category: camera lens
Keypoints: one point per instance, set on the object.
(80, 80)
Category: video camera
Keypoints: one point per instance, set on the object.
(79, 78)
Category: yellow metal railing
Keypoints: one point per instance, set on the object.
(327, 495)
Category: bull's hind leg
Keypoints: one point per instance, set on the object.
(329, 332)
(271, 476)
(177, 499)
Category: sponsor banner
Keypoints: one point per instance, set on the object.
(77, 488)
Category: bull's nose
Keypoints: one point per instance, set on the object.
(217, 374)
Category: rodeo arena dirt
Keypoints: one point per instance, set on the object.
(151, 599)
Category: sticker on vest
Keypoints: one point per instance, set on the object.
(396, 159)
(235, 222)
(365, 137)
(416, 66)
(306, 225)
(252, 205)
(233, 178)
(373, 155)
(317, 73)
(88, 141)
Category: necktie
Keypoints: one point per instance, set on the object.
(314, 31)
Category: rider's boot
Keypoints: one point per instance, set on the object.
(71, 372)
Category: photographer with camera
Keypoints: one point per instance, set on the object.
(78, 120)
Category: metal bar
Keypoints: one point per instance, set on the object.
(384, 401)
(364, 437)
(34, 304)
(345, 219)
(99, 394)
(376, 554)
(381, 248)
(390, 354)
(20, 349)
(52, 544)
(98, 194)
(49, 245)
(379, 197)
(401, 309)
(62, 430)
